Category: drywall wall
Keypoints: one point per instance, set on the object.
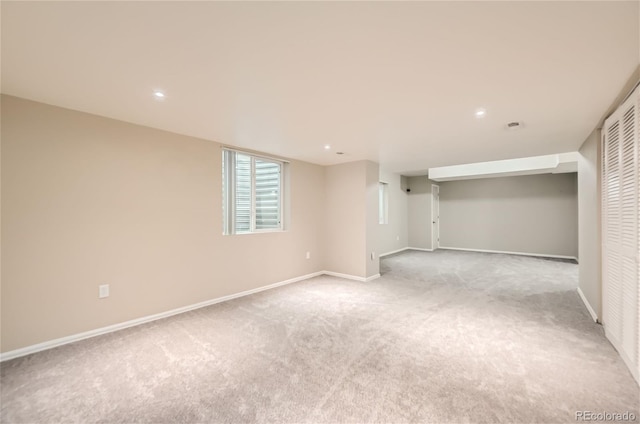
(372, 171)
(89, 200)
(590, 281)
(345, 218)
(351, 218)
(419, 212)
(394, 235)
(534, 214)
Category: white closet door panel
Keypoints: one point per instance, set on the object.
(629, 315)
(611, 178)
(629, 229)
(612, 263)
(613, 299)
(621, 231)
(628, 182)
(637, 153)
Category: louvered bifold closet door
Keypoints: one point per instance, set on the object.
(621, 231)
(612, 261)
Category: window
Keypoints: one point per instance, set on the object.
(383, 203)
(252, 193)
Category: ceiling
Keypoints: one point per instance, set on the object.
(393, 82)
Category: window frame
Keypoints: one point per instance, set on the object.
(229, 178)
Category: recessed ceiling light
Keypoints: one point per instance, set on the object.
(480, 113)
(158, 95)
(327, 147)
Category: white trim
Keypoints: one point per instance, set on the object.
(345, 276)
(143, 320)
(539, 255)
(394, 252)
(351, 277)
(404, 249)
(588, 305)
(255, 154)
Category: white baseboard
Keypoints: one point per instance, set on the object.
(405, 249)
(588, 305)
(351, 277)
(539, 255)
(393, 252)
(143, 320)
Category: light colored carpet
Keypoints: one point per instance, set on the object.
(441, 337)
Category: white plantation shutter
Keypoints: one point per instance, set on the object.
(267, 191)
(252, 193)
(621, 231)
(242, 216)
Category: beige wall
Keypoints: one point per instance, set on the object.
(536, 214)
(394, 235)
(419, 213)
(372, 220)
(89, 200)
(351, 218)
(345, 218)
(590, 281)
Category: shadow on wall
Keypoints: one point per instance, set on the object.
(416, 185)
(523, 187)
(419, 214)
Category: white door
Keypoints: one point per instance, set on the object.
(435, 216)
(620, 204)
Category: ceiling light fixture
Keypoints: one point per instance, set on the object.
(158, 95)
(327, 147)
(515, 125)
(480, 113)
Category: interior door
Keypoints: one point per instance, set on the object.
(620, 254)
(435, 217)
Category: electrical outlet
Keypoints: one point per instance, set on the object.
(103, 291)
(308, 255)
(373, 255)
(397, 238)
